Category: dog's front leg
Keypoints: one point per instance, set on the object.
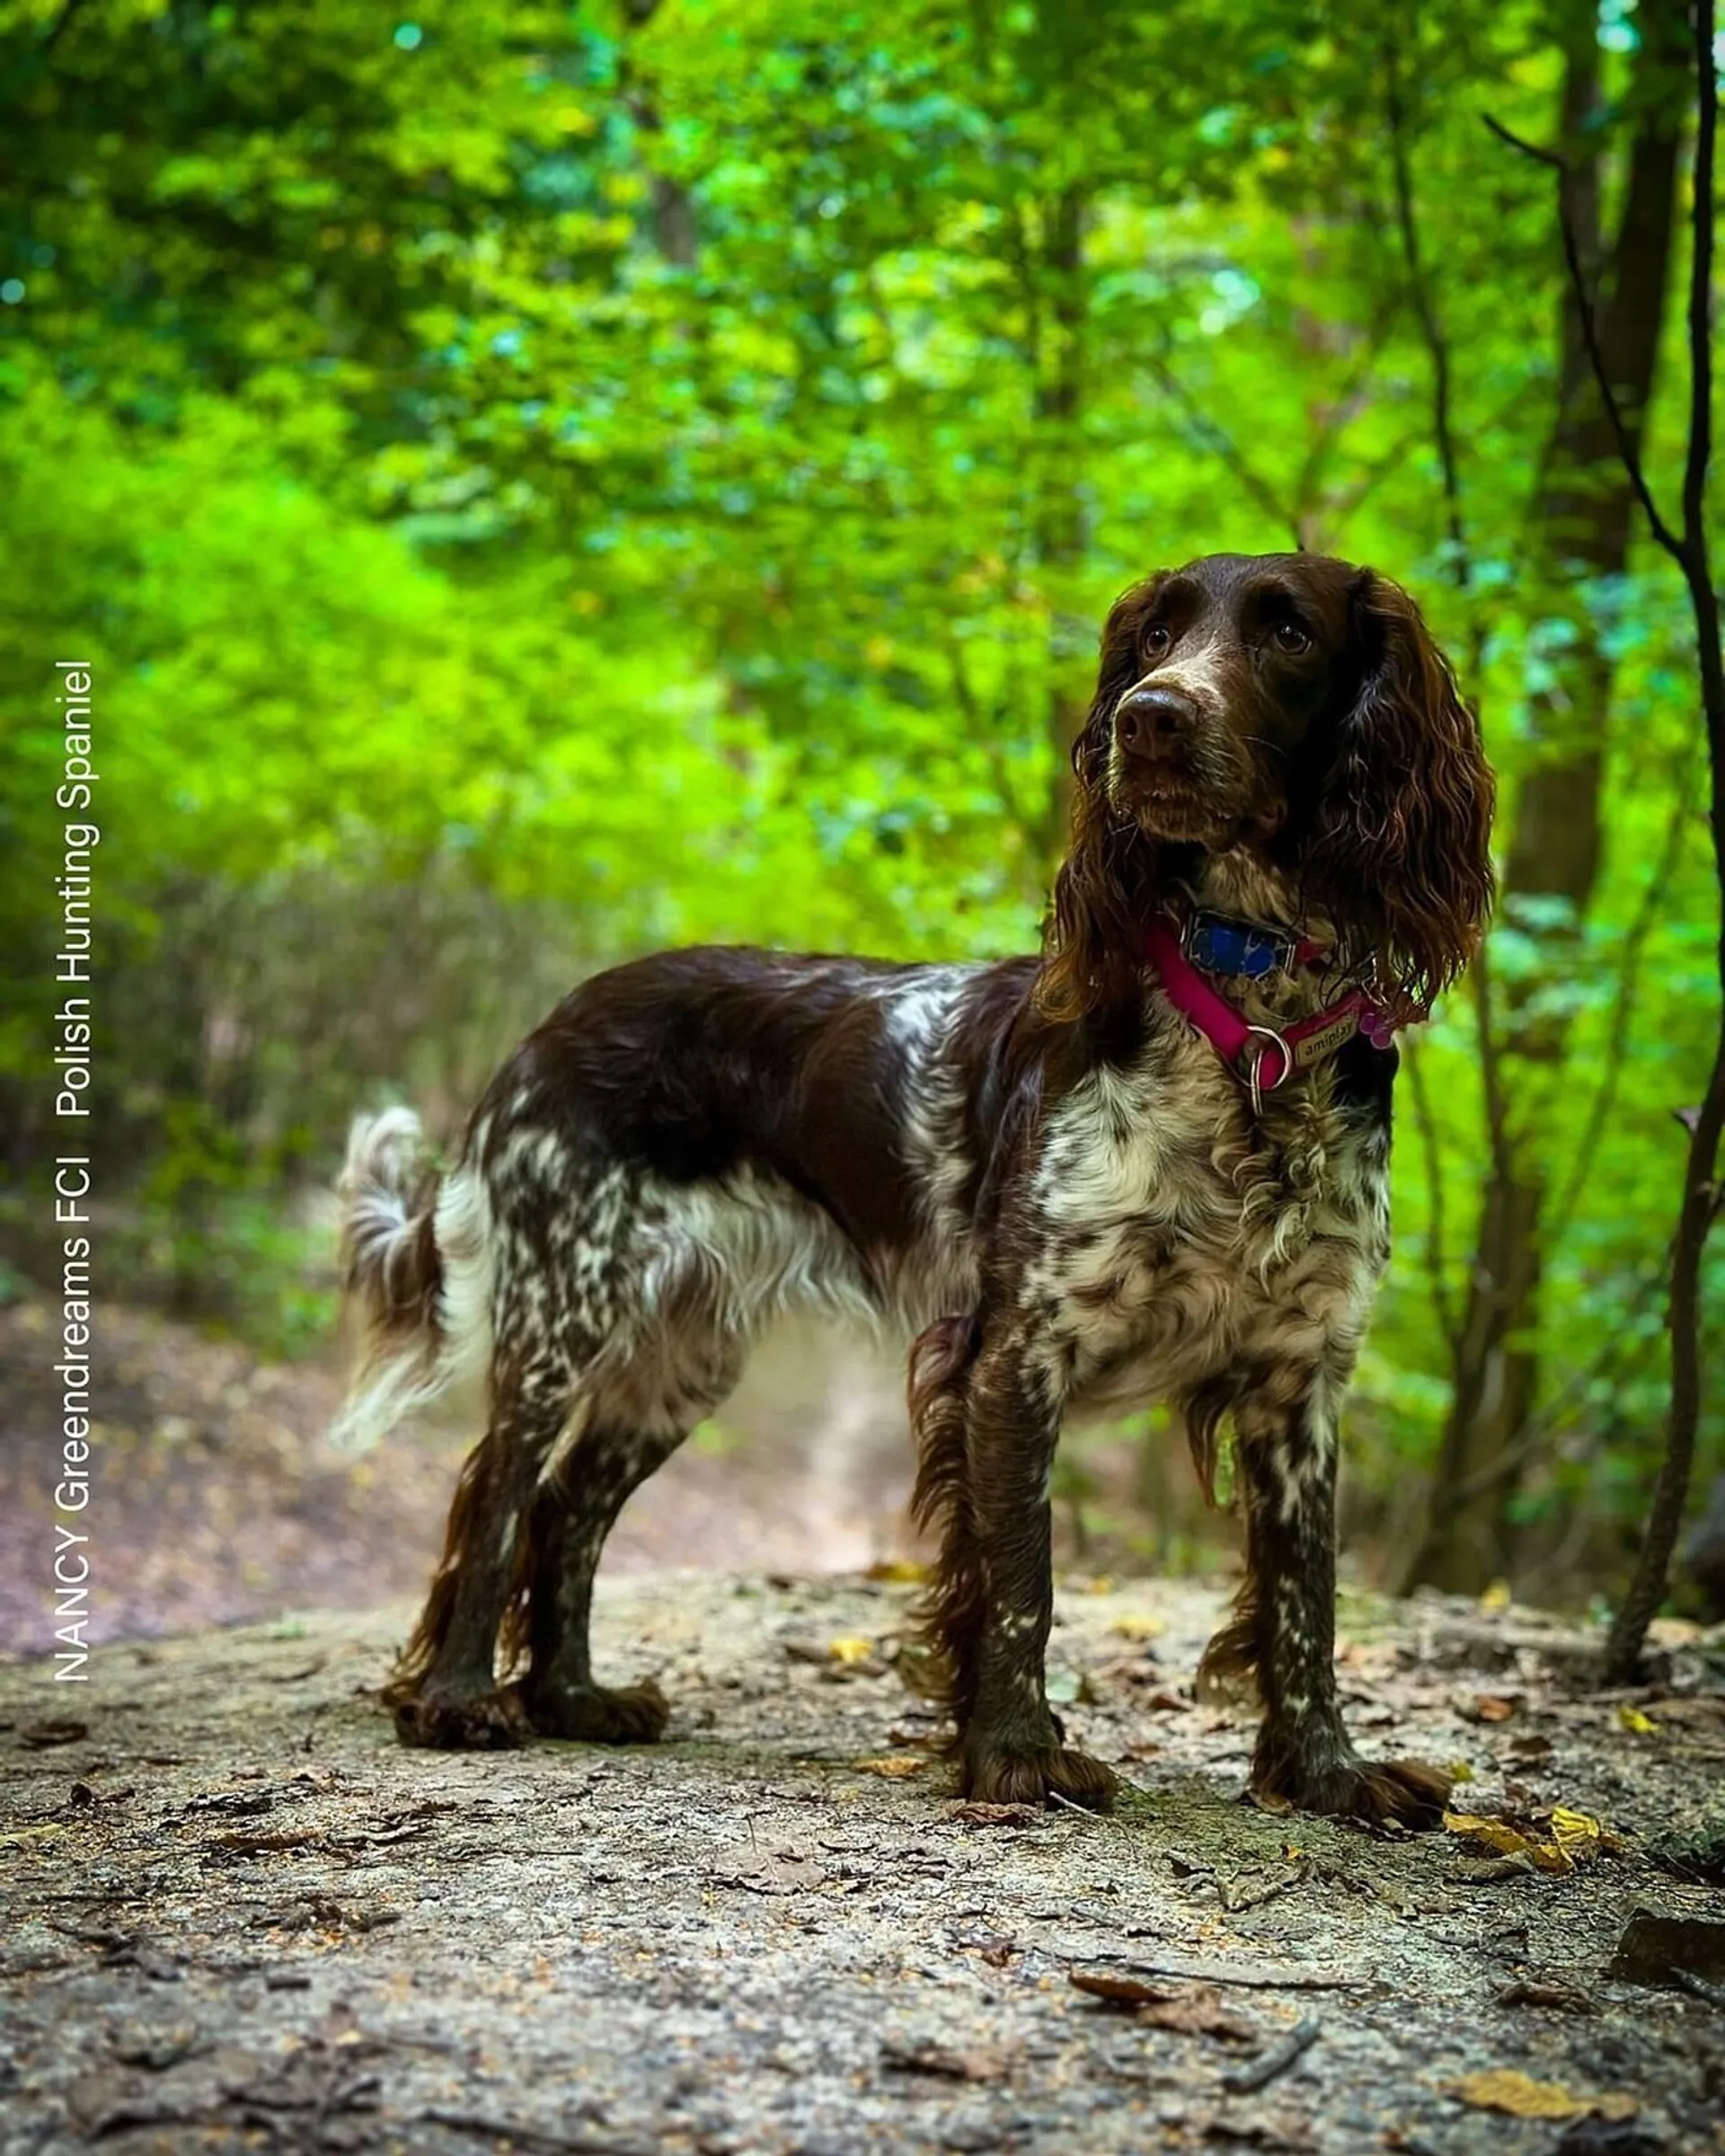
(1285, 1624)
(1012, 1752)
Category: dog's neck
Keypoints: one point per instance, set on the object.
(1247, 887)
(1243, 886)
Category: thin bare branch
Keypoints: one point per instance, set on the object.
(1623, 1014)
(1431, 322)
(1628, 455)
(1699, 1206)
(1437, 1258)
(1615, 1360)
(1206, 434)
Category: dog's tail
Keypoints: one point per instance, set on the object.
(417, 1255)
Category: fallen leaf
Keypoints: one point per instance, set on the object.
(22, 1837)
(972, 1814)
(1637, 1723)
(1496, 1598)
(1507, 1840)
(1505, 2088)
(893, 1767)
(1484, 1869)
(850, 1648)
(936, 2059)
(1191, 2009)
(1564, 1995)
(1199, 2013)
(1574, 1835)
(902, 1571)
(1138, 1628)
(1489, 1707)
(1579, 1835)
(1119, 1991)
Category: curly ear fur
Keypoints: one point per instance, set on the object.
(1398, 846)
(1092, 941)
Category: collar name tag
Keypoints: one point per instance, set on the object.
(1325, 1040)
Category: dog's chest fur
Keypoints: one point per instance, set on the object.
(1172, 1237)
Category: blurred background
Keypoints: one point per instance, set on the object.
(539, 482)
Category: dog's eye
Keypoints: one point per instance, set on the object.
(1290, 637)
(1156, 638)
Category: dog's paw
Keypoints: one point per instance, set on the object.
(461, 1721)
(633, 1714)
(1402, 1792)
(998, 1774)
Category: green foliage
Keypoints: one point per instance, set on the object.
(536, 483)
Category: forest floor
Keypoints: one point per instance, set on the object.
(236, 1914)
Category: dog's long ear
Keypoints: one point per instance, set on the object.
(1400, 841)
(1093, 939)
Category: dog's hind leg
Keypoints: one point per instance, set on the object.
(445, 1692)
(556, 1218)
(631, 1429)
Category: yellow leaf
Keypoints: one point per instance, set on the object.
(1577, 1835)
(1496, 1597)
(1139, 1628)
(1574, 1835)
(1636, 1722)
(1458, 1770)
(894, 1767)
(851, 1647)
(1507, 1840)
(22, 1837)
(904, 1571)
(1503, 2089)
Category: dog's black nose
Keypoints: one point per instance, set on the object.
(1150, 716)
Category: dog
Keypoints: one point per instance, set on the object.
(1151, 1163)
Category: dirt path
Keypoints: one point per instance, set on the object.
(218, 1501)
(238, 1916)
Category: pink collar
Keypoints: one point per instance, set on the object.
(1265, 1056)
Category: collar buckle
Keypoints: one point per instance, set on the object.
(1271, 1042)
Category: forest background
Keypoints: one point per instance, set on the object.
(535, 483)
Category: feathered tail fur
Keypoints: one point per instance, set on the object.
(416, 1251)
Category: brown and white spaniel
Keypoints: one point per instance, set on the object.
(1151, 1165)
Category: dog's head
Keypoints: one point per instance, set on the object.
(1297, 708)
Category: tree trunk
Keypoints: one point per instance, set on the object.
(1579, 533)
(674, 231)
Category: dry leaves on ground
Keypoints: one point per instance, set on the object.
(1556, 1841)
(1507, 2088)
(1194, 2010)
